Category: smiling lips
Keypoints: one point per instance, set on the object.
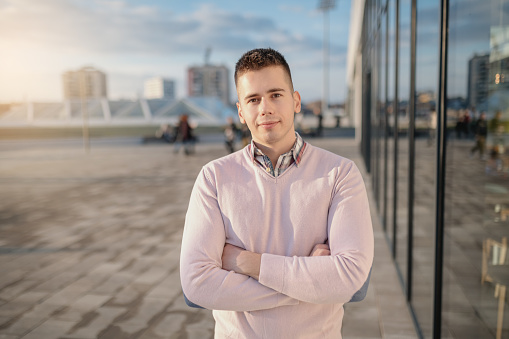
(267, 124)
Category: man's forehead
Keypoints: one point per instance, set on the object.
(245, 79)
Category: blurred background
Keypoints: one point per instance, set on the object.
(125, 67)
(94, 188)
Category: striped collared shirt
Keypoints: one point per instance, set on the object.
(284, 161)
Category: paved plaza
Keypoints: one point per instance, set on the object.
(90, 245)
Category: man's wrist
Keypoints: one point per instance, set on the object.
(249, 264)
(241, 261)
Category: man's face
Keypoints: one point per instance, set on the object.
(267, 105)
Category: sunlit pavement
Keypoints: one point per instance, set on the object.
(90, 244)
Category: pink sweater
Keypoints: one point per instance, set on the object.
(234, 201)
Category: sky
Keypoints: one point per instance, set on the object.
(132, 40)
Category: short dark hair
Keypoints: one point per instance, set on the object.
(259, 58)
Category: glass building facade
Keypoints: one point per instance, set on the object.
(429, 87)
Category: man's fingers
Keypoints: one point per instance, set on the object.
(320, 250)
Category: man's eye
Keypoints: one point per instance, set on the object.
(253, 100)
(276, 95)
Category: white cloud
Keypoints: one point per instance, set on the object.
(52, 36)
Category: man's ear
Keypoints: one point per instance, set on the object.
(239, 109)
(297, 101)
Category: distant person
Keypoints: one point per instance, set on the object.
(230, 134)
(473, 119)
(278, 235)
(467, 120)
(480, 132)
(245, 135)
(432, 126)
(165, 132)
(319, 129)
(184, 136)
(496, 128)
(460, 125)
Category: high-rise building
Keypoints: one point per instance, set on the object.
(209, 80)
(87, 82)
(159, 88)
(478, 78)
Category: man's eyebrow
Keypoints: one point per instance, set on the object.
(252, 95)
(272, 90)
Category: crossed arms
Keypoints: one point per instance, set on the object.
(218, 275)
(248, 263)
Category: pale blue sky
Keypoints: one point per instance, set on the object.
(133, 40)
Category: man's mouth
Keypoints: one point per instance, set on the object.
(267, 124)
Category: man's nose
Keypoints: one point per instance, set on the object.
(266, 107)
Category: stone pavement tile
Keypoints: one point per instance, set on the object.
(202, 329)
(129, 294)
(51, 329)
(15, 289)
(170, 258)
(114, 283)
(168, 289)
(58, 240)
(399, 329)
(31, 319)
(22, 303)
(395, 317)
(132, 260)
(21, 327)
(20, 259)
(4, 321)
(152, 276)
(82, 306)
(151, 240)
(71, 292)
(52, 264)
(140, 318)
(99, 321)
(11, 277)
(168, 327)
(74, 272)
(105, 270)
(361, 319)
(8, 336)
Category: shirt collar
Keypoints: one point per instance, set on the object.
(296, 151)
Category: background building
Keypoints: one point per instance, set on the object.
(478, 78)
(209, 80)
(444, 210)
(204, 111)
(87, 81)
(159, 88)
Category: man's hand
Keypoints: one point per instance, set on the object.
(320, 250)
(248, 263)
(241, 261)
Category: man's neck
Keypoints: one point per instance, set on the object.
(274, 152)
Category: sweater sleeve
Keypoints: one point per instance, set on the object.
(204, 282)
(334, 278)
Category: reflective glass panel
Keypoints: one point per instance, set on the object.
(403, 144)
(427, 60)
(476, 269)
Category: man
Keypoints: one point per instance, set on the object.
(278, 235)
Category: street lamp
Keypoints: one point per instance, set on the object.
(83, 85)
(325, 6)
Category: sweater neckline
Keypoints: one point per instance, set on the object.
(268, 175)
